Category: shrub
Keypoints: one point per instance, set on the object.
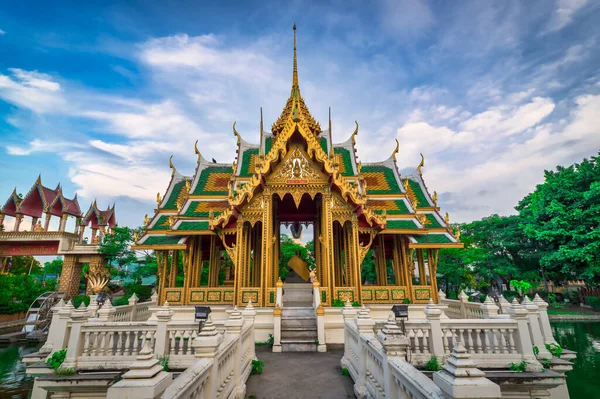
(79, 299)
(555, 349)
(356, 304)
(593, 301)
(345, 372)
(57, 359)
(257, 367)
(573, 297)
(121, 301)
(164, 362)
(406, 301)
(338, 303)
(519, 367)
(433, 364)
(554, 302)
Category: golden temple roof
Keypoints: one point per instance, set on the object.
(295, 108)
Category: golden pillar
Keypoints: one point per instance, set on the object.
(266, 262)
(355, 258)
(406, 266)
(432, 260)
(398, 272)
(326, 239)
(421, 264)
(257, 256)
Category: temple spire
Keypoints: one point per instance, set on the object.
(295, 75)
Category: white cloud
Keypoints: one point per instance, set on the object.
(564, 13)
(39, 146)
(31, 90)
(2, 32)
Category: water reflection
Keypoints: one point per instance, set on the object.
(14, 384)
(584, 338)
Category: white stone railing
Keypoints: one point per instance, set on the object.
(95, 343)
(134, 311)
(222, 365)
(379, 368)
(461, 308)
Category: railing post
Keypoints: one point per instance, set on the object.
(461, 379)
(504, 305)
(107, 311)
(534, 327)
(395, 344)
(93, 306)
(316, 294)
(206, 345)
(145, 378)
(153, 307)
(365, 325)
(163, 316)
(233, 326)
(524, 346)
(441, 295)
(277, 329)
(463, 298)
(321, 347)
(133, 300)
(249, 314)
(544, 321)
(58, 327)
(433, 315)
(489, 308)
(75, 344)
(279, 293)
(348, 314)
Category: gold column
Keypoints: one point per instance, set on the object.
(257, 256)
(406, 267)
(326, 239)
(396, 260)
(162, 258)
(276, 245)
(421, 263)
(174, 265)
(432, 260)
(355, 257)
(337, 258)
(317, 243)
(266, 264)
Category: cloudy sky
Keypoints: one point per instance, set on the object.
(492, 93)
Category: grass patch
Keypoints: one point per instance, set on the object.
(571, 312)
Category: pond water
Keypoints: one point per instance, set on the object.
(14, 383)
(583, 338)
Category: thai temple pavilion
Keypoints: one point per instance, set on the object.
(296, 176)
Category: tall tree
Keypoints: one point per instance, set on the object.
(562, 217)
(22, 265)
(116, 248)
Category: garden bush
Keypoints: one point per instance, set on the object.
(17, 292)
(594, 302)
(79, 299)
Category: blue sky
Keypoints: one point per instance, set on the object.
(97, 95)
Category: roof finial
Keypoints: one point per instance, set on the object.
(197, 151)
(421, 165)
(173, 170)
(295, 76)
(260, 147)
(396, 150)
(236, 134)
(330, 136)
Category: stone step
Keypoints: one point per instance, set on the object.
(297, 311)
(298, 345)
(298, 305)
(298, 322)
(305, 286)
(299, 333)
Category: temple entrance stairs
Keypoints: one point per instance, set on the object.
(298, 320)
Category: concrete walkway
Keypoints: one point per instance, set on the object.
(296, 375)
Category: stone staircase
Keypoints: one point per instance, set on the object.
(298, 320)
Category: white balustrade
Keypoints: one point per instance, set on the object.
(408, 382)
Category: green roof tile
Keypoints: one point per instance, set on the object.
(421, 198)
(246, 162)
(268, 144)
(379, 187)
(433, 222)
(161, 224)
(433, 239)
(158, 240)
(195, 226)
(402, 208)
(172, 200)
(323, 142)
(207, 184)
(401, 224)
(346, 160)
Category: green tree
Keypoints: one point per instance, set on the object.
(367, 268)
(562, 217)
(54, 266)
(23, 265)
(116, 248)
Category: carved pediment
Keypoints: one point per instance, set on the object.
(296, 169)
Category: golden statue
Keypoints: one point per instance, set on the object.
(38, 227)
